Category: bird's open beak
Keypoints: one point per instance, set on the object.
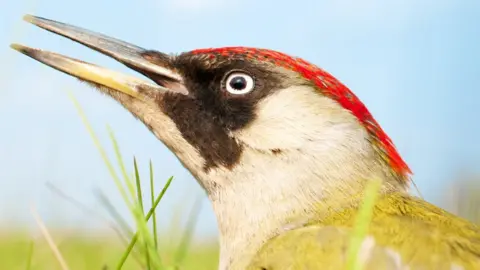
(128, 54)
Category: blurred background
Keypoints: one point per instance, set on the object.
(415, 64)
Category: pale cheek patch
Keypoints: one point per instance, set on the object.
(296, 116)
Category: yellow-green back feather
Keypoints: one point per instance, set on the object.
(405, 233)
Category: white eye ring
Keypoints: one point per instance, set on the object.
(239, 83)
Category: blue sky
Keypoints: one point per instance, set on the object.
(415, 64)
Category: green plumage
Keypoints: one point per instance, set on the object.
(408, 233)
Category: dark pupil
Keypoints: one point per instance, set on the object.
(238, 83)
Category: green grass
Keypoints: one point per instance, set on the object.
(142, 250)
(82, 251)
(362, 224)
(143, 240)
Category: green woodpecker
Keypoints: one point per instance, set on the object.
(284, 151)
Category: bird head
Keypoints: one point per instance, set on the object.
(255, 127)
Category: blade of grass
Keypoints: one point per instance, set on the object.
(85, 209)
(118, 154)
(48, 237)
(146, 240)
(119, 220)
(127, 231)
(31, 247)
(149, 214)
(362, 224)
(137, 182)
(143, 233)
(142, 228)
(100, 149)
(140, 201)
(152, 197)
(187, 235)
(417, 189)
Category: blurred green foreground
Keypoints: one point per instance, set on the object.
(82, 251)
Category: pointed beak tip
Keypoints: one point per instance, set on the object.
(29, 18)
(23, 49)
(18, 47)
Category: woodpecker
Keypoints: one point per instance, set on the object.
(284, 151)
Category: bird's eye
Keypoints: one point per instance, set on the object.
(239, 83)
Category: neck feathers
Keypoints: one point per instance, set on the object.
(269, 194)
(295, 164)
